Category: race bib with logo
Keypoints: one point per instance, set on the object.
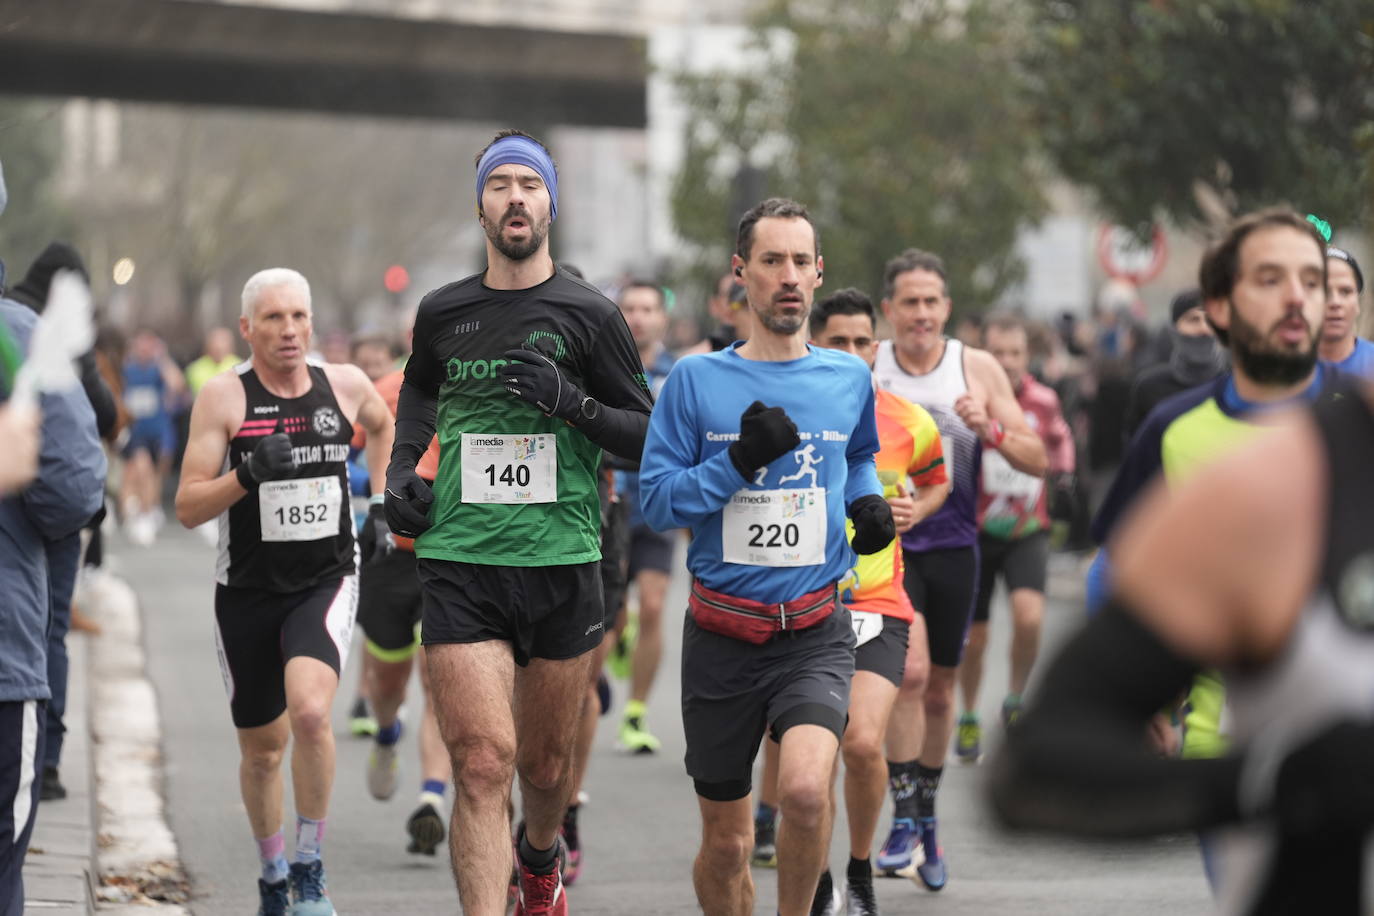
(510, 469)
(775, 527)
(867, 625)
(143, 401)
(306, 509)
(1000, 479)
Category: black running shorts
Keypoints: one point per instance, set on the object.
(885, 654)
(650, 549)
(1022, 563)
(258, 632)
(389, 606)
(941, 585)
(550, 612)
(734, 691)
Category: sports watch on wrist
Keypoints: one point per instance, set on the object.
(589, 410)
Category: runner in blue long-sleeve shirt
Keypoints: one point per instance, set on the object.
(763, 449)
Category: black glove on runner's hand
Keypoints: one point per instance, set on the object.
(408, 499)
(535, 379)
(874, 528)
(765, 434)
(374, 537)
(271, 460)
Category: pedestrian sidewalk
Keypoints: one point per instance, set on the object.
(60, 872)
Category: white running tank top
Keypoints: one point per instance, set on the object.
(955, 523)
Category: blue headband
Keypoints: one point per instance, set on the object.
(519, 151)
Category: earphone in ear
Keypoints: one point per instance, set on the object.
(739, 271)
(820, 275)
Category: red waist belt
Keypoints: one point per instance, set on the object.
(755, 621)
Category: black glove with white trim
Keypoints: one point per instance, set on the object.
(408, 499)
(536, 379)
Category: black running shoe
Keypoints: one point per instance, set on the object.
(426, 829)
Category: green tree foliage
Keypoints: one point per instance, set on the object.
(893, 120)
(30, 134)
(1187, 108)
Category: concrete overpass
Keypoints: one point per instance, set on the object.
(210, 53)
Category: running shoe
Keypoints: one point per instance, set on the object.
(932, 871)
(51, 788)
(307, 890)
(899, 852)
(572, 865)
(765, 843)
(275, 898)
(360, 721)
(622, 653)
(859, 899)
(382, 767)
(828, 900)
(968, 744)
(542, 895)
(1011, 711)
(426, 829)
(634, 737)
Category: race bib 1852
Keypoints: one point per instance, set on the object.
(775, 527)
(510, 469)
(306, 509)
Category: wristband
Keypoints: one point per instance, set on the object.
(997, 433)
(377, 499)
(245, 476)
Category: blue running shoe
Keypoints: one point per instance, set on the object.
(897, 852)
(932, 871)
(307, 889)
(276, 898)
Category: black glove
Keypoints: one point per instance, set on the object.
(874, 528)
(1323, 786)
(535, 379)
(374, 537)
(271, 460)
(765, 434)
(408, 499)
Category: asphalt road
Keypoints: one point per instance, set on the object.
(640, 827)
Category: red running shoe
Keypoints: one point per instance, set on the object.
(542, 895)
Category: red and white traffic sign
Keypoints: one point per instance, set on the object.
(1124, 257)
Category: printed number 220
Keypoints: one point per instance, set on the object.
(777, 535)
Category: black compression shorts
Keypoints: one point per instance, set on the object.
(552, 612)
(259, 631)
(941, 586)
(734, 691)
(389, 606)
(885, 653)
(1022, 563)
(650, 549)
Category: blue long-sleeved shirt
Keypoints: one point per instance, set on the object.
(66, 493)
(687, 479)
